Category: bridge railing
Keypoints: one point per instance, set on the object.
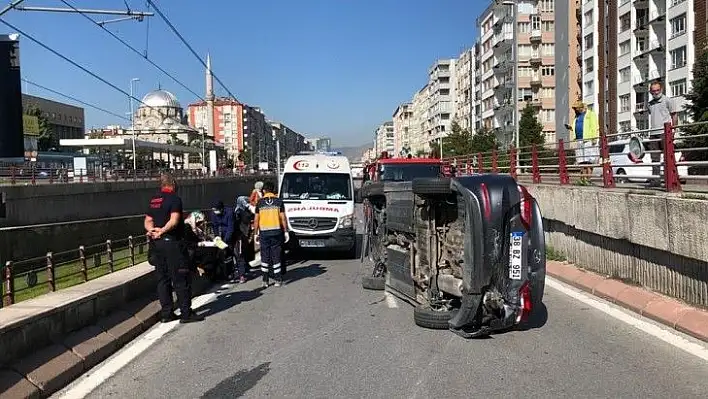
(32, 175)
(672, 158)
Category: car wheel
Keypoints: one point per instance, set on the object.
(538, 286)
(431, 186)
(621, 176)
(373, 283)
(426, 317)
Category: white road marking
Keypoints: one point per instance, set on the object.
(626, 316)
(391, 300)
(97, 376)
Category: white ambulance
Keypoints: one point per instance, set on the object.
(318, 193)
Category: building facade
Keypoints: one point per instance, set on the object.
(465, 89)
(65, 121)
(385, 139)
(630, 44)
(568, 60)
(402, 121)
(291, 142)
(442, 97)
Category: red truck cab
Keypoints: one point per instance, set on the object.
(405, 169)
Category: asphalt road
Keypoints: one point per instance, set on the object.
(323, 336)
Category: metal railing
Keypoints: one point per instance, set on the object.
(29, 278)
(32, 175)
(674, 159)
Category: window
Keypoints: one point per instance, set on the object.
(525, 50)
(625, 22)
(624, 103)
(678, 25)
(525, 94)
(547, 26)
(317, 186)
(625, 127)
(548, 71)
(535, 22)
(524, 72)
(588, 41)
(589, 88)
(547, 5)
(678, 57)
(587, 17)
(547, 115)
(625, 47)
(548, 92)
(589, 65)
(641, 45)
(676, 2)
(624, 74)
(548, 49)
(678, 87)
(524, 27)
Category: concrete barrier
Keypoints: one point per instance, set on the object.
(52, 203)
(656, 240)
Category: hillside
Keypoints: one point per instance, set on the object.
(354, 153)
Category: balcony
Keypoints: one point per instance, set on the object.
(536, 79)
(645, 77)
(535, 58)
(503, 42)
(535, 36)
(535, 102)
(657, 16)
(640, 107)
(641, 25)
(655, 46)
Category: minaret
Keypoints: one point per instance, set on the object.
(210, 98)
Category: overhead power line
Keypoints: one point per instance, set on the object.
(176, 32)
(75, 99)
(136, 51)
(74, 63)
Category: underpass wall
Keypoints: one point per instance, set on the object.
(52, 203)
(656, 240)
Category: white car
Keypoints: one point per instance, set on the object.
(625, 169)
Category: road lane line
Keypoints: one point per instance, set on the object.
(391, 301)
(88, 382)
(663, 333)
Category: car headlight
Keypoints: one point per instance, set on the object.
(345, 222)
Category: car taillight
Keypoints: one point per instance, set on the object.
(524, 302)
(633, 158)
(486, 203)
(526, 206)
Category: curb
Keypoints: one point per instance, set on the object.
(50, 369)
(670, 312)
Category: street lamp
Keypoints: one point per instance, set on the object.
(132, 123)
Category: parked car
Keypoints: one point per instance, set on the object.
(626, 168)
(467, 252)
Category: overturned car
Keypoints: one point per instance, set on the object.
(467, 252)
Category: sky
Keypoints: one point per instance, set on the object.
(334, 68)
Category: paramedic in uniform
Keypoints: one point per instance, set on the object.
(271, 232)
(165, 226)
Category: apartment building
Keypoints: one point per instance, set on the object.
(628, 45)
(402, 120)
(465, 68)
(517, 35)
(441, 100)
(418, 130)
(385, 138)
(568, 61)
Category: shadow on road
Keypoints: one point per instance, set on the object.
(299, 273)
(238, 384)
(228, 300)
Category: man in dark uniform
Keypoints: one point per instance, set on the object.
(271, 232)
(165, 227)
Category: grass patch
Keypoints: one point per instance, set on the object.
(552, 254)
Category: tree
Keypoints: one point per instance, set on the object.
(46, 139)
(458, 142)
(484, 141)
(698, 109)
(530, 128)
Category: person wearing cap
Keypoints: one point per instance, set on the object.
(222, 223)
(585, 131)
(256, 194)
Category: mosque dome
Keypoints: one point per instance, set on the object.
(160, 98)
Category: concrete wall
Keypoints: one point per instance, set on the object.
(657, 240)
(51, 203)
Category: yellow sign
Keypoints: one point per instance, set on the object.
(30, 125)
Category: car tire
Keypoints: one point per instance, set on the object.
(351, 253)
(373, 283)
(431, 186)
(372, 190)
(425, 317)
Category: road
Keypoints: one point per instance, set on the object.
(322, 336)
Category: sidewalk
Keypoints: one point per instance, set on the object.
(673, 313)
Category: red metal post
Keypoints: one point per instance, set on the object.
(534, 165)
(512, 162)
(480, 162)
(562, 163)
(495, 162)
(608, 178)
(670, 171)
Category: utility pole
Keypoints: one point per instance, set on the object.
(132, 124)
(515, 99)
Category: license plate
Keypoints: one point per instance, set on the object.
(515, 255)
(312, 243)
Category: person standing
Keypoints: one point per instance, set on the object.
(243, 222)
(164, 225)
(662, 109)
(586, 131)
(271, 232)
(256, 194)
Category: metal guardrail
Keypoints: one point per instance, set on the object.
(31, 175)
(680, 165)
